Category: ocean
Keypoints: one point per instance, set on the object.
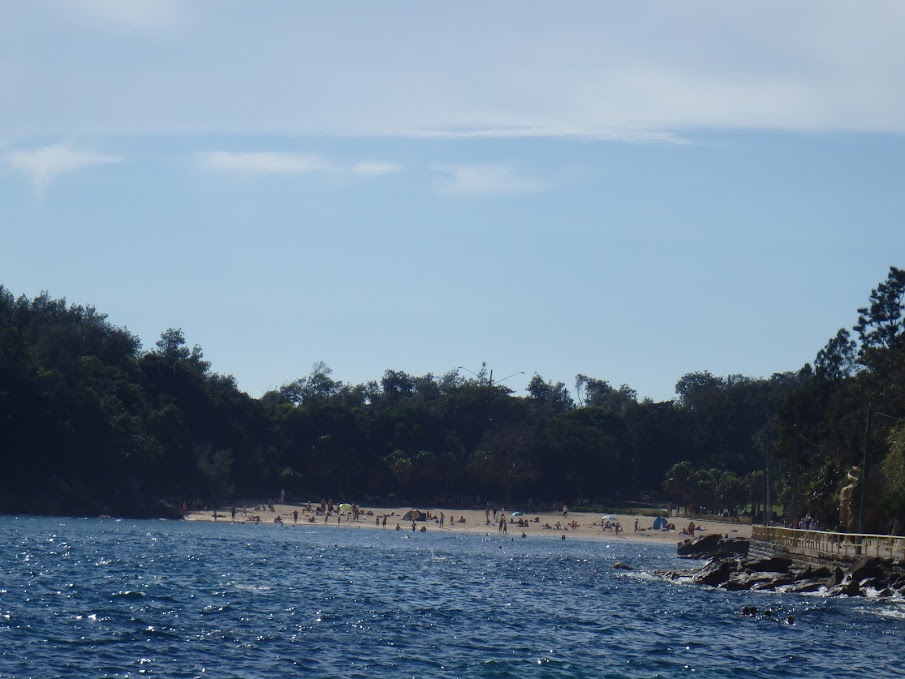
(125, 598)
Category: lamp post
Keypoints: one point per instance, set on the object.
(490, 382)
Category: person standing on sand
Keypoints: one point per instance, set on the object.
(441, 519)
(565, 511)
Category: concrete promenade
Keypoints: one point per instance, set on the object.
(824, 546)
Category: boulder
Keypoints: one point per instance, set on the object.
(803, 586)
(772, 583)
(866, 567)
(776, 564)
(715, 574)
(701, 547)
(733, 547)
(744, 581)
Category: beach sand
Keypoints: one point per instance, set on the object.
(590, 526)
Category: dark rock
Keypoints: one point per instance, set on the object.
(703, 546)
(873, 583)
(820, 573)
(621, 566)
(744, 581)
(733, 547)
(712, 545)
(838, 575)
(866, 567)
(846, 588)
(805, 586)
(772, 583)
(776, 564)
(718, 573)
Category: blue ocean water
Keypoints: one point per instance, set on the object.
(110, 598)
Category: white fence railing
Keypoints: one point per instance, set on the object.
(824, 544)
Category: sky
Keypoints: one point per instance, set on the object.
(629, 191)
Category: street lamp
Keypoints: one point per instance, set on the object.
(490, 383)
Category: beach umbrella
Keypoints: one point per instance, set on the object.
(609, 517)
(517, 514)
(345, 507)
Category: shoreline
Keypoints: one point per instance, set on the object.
(588, 526)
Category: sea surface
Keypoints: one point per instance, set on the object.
(123, 598)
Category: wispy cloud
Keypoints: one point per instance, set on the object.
(262, 162)
(485, 180)
(614, 133)
(601, 71)
(127, 16)
(375, 167)
(44, 163)
(274, 162)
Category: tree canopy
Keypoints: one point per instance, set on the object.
(92, 423)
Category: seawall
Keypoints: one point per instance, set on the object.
(822, 547)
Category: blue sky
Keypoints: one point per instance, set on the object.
(632, 191)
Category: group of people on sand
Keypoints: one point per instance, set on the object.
(690, 529)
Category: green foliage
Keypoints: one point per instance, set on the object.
(90, 423)
(894, 469)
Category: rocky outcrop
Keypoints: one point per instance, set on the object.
(709, 546)
(867, 576)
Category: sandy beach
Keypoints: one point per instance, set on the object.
(586, 525)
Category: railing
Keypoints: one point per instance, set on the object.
(827, 545)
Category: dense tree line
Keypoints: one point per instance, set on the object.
(91, 423)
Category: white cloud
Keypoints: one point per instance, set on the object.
(261, 162)
(603, 70)
(44, 163)
(375, 167)
(127, 16)
(485, 179)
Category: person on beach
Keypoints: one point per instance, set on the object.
(295, 516)
(441, 519)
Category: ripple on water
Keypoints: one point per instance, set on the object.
(95, 598)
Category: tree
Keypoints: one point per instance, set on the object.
(894, 469)
(837, 360)
(172, 346)
(880, 325)
(680, 482)
(504, 458)
(550, 399)
(600, 394)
